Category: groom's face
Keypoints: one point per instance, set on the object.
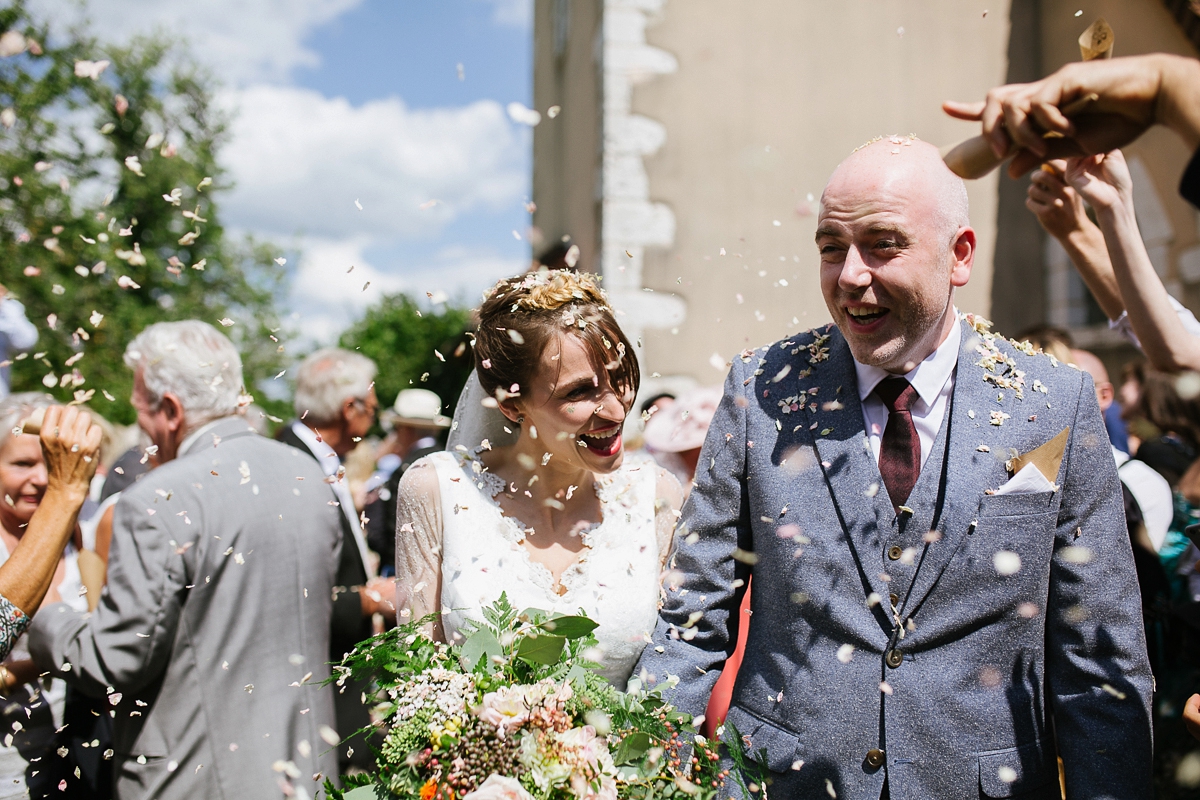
(889, 260)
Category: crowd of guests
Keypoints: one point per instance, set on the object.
(167, 627)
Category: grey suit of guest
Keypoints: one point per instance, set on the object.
(217, 606)
(992, 667)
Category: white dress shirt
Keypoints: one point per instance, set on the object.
(933, 379)
(330, 462)
(1190, 324)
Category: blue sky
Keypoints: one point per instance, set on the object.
(411, 48)
(355, 144)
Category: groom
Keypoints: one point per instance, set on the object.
(944, 593)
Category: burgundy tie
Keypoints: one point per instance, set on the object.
(900, 449)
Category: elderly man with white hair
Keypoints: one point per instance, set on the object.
(335, 407)
(212, 635)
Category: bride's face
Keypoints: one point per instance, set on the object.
(574, 407)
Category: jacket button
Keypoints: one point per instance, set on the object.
(895, 551)
(894, 657)
(874, 758)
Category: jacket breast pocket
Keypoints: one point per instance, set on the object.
(1017, 505)
(781, 745)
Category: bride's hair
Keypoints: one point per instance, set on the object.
(521, 315)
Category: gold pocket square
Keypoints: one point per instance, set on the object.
(1047, 457)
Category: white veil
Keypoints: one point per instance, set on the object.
(474, 422)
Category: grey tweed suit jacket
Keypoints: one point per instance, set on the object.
(217, 606)
(995, 671)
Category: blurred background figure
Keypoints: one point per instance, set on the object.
(416, 427)
(1149, 511)
(335, 408)
(17, 335)
(675, 432)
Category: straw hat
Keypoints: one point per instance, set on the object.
(683, 424)
(419, 408)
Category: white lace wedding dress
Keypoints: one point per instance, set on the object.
(456, 551)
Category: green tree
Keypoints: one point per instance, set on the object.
(107, 219)
(414, 348)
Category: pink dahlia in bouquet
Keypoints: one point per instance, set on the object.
(517, 712)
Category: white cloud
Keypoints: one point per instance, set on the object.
(301, 161)
(241, 40)
(327, 295)
(512, 13)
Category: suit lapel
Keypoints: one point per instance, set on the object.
(836, 425)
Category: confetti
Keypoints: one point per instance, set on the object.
(1006, 562)
(358, 205)
(523, 115)
(845, 652)
(90, 69)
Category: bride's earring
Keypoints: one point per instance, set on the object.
(521, 420)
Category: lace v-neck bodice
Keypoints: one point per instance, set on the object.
(615, 579)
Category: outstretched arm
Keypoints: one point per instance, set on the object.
(126, 642)
(1105, 183)
(1061, 211)
(70, 445)
(1133, 94)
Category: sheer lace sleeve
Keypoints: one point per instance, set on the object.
(419, 545)
(668, 499)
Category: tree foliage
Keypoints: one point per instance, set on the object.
(107, 217)
(406, 342)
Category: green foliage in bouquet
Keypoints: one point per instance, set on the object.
(517, 711)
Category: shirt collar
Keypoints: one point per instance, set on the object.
(192, 437)
(325, 454)
(928, 378)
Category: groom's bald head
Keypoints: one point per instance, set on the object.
(909, 160)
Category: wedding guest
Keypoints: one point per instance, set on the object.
(28, 764)
(45, 500)
(675, 434)
(558, 520)
(921, 612)
(1132, 95)
(335, 408)
(416, 426)
(211, 638)
(17, 335)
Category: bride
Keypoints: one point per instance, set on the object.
(558, 519)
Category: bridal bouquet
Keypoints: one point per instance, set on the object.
(516, 712)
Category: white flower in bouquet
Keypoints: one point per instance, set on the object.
(498, 787)
(577, 759)
(540, 704)
(506, 708)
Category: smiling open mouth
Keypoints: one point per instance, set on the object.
(606, 443)
(865, 316)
